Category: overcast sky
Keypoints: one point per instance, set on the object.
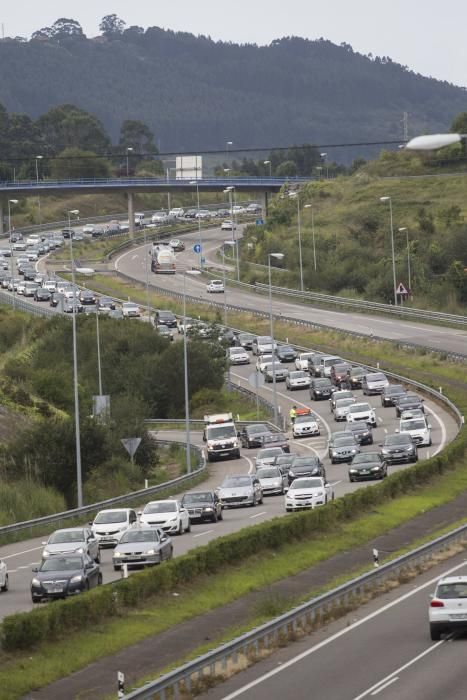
(430, 37)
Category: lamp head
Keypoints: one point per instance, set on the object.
(431, 142)
(404, 228)
(277, 256)
(75, 212)
(385, 199)
(13, 201)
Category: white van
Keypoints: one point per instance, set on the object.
(325, 364)
(417, 427)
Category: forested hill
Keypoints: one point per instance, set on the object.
(195, 93)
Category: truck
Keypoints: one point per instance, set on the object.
(163, 260)
(221, 437)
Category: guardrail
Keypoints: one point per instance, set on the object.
(302, 618)
(110, 502)
(20, 304)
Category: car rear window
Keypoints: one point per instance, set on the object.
(452, 590)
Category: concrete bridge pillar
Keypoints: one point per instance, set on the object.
(131, 214)
(264, 199)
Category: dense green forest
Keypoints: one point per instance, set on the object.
(195, 93)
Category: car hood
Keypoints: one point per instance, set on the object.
(306, 491)
(236, 491)
(65, 547)
(366, 465)
(54, 575)
(202, 504)
(270, 480)
(153, 517)
(128, 547)
(101, 528)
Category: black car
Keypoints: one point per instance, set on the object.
(202, 505)
(165, 318)
(105, 304)
(87, 297)
(71, 306)
(286, 353)
(29, 274)
(409, 402)
(42, 294)
(399, 447)
(368, 465)
(228, 338)
(391, 394)
(321, 388)
(244, 340)
(61, 576)
(276, 440)
(57, 299)
(307, 465)
(67, 233)
(252, 435)
(354, 377)
(284, 461)
(361, 431)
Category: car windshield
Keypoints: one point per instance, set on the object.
(233, 481)
(394, 389)
(359, 408)
(286, 348)
(304, 462)
(410, 398)
(341, 368)
(322, 382)
(161, 507)
(413, 425)
(452, 590)
(357, 371)
(376, 377)
(344, 441)
(306, 356)
(297, 375)
(268, 473)
(274, 437)
(338, 395)
(306, 484)
(66, 536)
(118, 516)
(398, 440)
(269, 452)
(253, 429)
(237, 351)
(190, 498)
(365, 457)
(166, 314)
(342, 403)
(264, 340)
(304, 419)
(62, 564)
(217, 432)
(139, 536)
(243, 337)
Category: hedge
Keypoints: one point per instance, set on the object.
(28, 629)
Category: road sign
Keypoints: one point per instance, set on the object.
(197, 248)
(259, 222)
(131, 445)
(401, 290)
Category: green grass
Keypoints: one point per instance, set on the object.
(23, 672)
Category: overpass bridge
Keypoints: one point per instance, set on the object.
(263, 186)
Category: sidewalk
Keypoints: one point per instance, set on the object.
(153, 654)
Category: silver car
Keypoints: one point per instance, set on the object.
(342, 408)
(142, 546)
(267, 455)
(298, 379)
(272, 480)
(275, 369)
(344, 449)
(72, 540)
(240, 490)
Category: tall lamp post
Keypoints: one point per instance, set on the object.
(10, 202)
(310, 206)
(405, 230)
(128, 151)
(230, 191)
(389, 199)
(276, 256)
(268, 162)
(38, 158)
(229, 244)
(195, 182)
(185, 373)
(227, 147)
(79, 481)
(296, 195)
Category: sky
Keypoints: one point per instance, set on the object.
(429, 37)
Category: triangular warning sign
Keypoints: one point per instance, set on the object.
(401, 289)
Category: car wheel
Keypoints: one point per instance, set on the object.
(117, 568)
(99, 579)
(97, 559)
(5, 585)
(214, 518)
(180, 528)
(435, 634)
(220, 516)
(188, 527)
(351, 479)
(288, 510)
(86, 588)
(261, 501)
(333, 461)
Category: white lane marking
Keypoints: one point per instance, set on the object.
(383, 687)
(334, 483)
(252, 466)
(26, 566)
(12, 571)
(200, 534)
(341, 633)
(25, 551)
(380, 419)
(257, 515)
(443, 430)
(385, 430)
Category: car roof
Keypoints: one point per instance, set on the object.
(452, 579)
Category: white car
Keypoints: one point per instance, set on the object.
(263, 344)
(339, 395)
(33, 239)
(374, 383)
(19, 245)
(272, 480)
(89, 228)
(298, 379)
(177, 212)
(110, 524)
(301, 362)
(266, 456)
(263, 361)
(215, 286)
(342, 408)
(238, 356)
(305, 425)
(448, 607)
(168, 515)
(51, 285)
(130, 310)
(3, 576)
(159, 217)
(361, 412)
(20, 287)
(308, 492)
(417, 427)
(228, 226)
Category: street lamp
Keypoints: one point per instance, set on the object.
(79, 483)
(276, 256)
(230, 244)
(185, 371)
(296, 195)
(128, 151)
(195, 182)
(227, 145)
(10, 202)
(325, 157)
(38, 158)
(268, 162)
(389, 199)
(431, 142)
(230, 190)
(406, 230)
(310, 206)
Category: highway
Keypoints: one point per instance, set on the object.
(132, 263)
(382, 650)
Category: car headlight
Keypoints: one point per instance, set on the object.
(235, 443)
(291, 473)
(375, 469)
(352, 471)
(334, 453)
(35, 582)
(117, 554)
(45, 553)
(354, 451)
(208, 509)
(76, 579)
(80, 550)
(317, 391)
(151, 551)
